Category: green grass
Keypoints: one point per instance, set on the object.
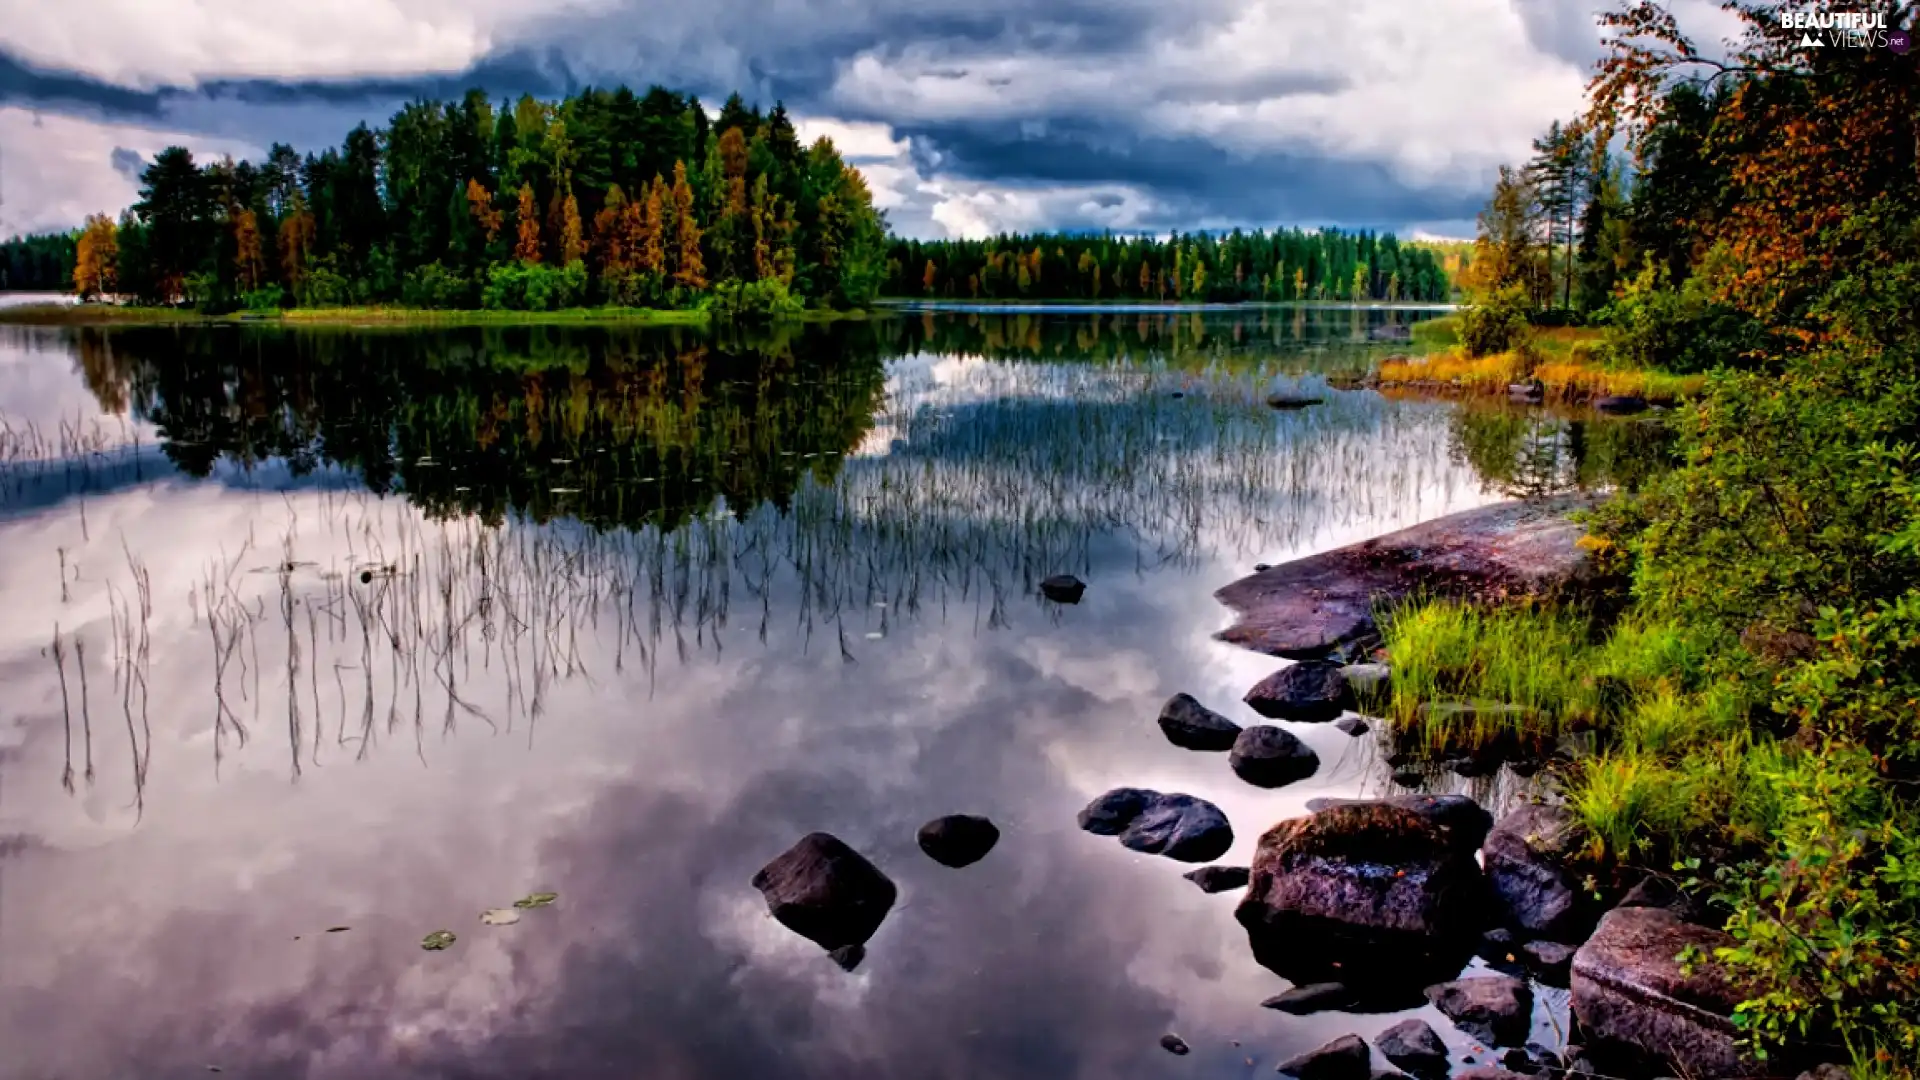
(1445, 651)
(93, 315)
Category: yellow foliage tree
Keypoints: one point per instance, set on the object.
(689, 268)
(95, 257)
(527, 247)
(480, 202)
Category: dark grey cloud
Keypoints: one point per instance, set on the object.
(127, 162)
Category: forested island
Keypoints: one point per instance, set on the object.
(1240, 266)
(607, 197)
(635, 201)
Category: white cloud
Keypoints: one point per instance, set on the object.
(59, 169)
(145, 44)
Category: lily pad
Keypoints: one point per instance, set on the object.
(500, 916)
(539, 899)
(437, 940)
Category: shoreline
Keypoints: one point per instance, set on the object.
(55, 313)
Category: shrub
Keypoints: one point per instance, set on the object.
(434, 286)
(766, 300)
(1498, 325)
(534, 286)
(1679, 330)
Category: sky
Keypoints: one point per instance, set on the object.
(969, 117)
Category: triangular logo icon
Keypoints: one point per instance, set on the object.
(1808, 41)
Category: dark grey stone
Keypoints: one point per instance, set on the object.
(1270, 757)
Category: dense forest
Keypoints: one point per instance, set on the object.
(606, 197)
(1764, 755)
(1286, 264)
(37, 263)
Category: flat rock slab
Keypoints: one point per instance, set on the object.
(1324, 603)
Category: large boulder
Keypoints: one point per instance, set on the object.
(1311, 691)
(1192, 726)
(826, 892)
(1178, 826)
(1370, 894)
(1495, 1009)
(1531, 858)
(1270, 757)
(1345, 1058)
(1629, 986)
(958, 839)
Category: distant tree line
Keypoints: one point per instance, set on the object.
(37, 263)
(604, 197)
(1285, 264)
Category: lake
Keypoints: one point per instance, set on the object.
(317, 642)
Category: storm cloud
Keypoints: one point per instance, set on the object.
(1129, 114)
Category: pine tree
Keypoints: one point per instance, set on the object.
(298, 231)
(249, 265)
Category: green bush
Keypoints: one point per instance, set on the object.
(766, 300)
(1498, 325)
(534, 286)
(434, 286)
(323, 286)
(1679, 330)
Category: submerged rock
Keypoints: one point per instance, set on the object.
(1218, 879)
(1345, 1058)
(1413, 1045)
(1178, 826)
(1495, 1009)
(1362, 892)
(1368, 679)
(958, 839)
(1551, 961)
(1289, 402)
(1063, 589)
(1311, 998)
(1629, 986)
(1620, 404)
(1529, 393)
(849, 956)
(1530, 858)
(1192, 726)
(826, 892)
(1324, 603)
(1174, 1044)
(1269, 757)
(1311, 691)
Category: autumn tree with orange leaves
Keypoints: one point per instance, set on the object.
(96, 258)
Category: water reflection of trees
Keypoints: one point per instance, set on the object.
(1528, 452)
(1185, 339)
(857, 496)
(610, 428)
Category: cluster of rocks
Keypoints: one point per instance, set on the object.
(1376, 904)
(830, 894)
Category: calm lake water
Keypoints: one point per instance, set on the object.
(379, 629)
